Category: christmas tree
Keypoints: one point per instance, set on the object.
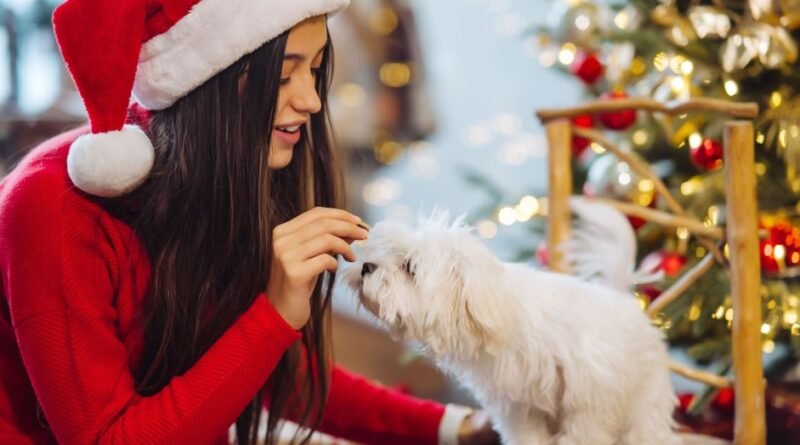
(742, 50)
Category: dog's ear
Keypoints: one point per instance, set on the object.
(486, 307)
(485, 294)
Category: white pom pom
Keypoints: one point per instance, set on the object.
(110, 164)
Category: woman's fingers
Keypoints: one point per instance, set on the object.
(305, 273)
(319, 264)
(343, 229)
(310, 216)
(325, 243)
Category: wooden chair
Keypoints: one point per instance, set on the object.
(741, 234)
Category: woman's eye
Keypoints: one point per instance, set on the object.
(285, 81)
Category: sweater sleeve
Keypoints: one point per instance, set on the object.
(365, 412)
(59, 278)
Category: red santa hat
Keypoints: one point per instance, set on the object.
(157, 50)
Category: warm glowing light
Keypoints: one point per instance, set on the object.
(548, 57)
(646, 185)
(507, 216)
(597, 148)
(639, 137)
(395, 74)
(351, 95)
(638, 66)
(567, 54)
(521, 213)
(530, 204)
(677, 84)
(695, 140)
(388, 152)
(582, 22)
(487, 229)
(731, 87)
(780, 252)
(622, 20)
(383, 21)
(694, 312)
(675, 63)
(381, 192)
(713, 214)
(691, 186)
(775, 99)
(661, 61)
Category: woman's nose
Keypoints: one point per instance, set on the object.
(306, 99)
(368, 268)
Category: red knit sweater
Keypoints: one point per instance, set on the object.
(73, 279)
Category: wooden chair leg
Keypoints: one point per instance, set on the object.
(559, 172)
(742, 208)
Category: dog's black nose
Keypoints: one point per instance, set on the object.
(368, 268)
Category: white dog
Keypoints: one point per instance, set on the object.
(555, 360)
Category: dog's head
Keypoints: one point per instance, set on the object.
(437, 284)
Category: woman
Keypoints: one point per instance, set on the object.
(168, 273)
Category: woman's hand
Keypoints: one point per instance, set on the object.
(476, 429)
(302, 249)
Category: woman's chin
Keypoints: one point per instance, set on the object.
(280, 158)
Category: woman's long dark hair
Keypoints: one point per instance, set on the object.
(205, 216)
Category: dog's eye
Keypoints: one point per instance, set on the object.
(407, 268)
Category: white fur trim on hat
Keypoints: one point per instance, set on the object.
(110, 164)
(211, 37)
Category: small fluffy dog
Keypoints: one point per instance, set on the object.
(554, 359)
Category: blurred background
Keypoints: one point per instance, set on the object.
(433, 105)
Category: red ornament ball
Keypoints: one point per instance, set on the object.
(587, 67)
(650, 291)
(580, 144)
(617, 120)
(724, 401)
(636, 222)
(707, 156)
(670, 262)
(781, 248)
(685, 400)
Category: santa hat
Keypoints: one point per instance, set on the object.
(159, 50)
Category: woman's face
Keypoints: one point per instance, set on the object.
(297, 97)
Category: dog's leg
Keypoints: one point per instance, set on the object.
(650, 415)
(586, 427)
(519, 428)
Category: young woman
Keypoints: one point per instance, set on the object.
(168, 272)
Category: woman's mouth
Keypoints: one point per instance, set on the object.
(290, 135)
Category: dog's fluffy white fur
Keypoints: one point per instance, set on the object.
(554, 359)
